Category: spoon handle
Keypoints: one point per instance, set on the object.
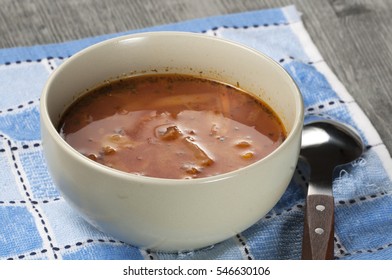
(318, 238)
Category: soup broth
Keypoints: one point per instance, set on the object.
(171, 126)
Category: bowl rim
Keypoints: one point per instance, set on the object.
(51, 129)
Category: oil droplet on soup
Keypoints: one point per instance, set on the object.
(171, 126)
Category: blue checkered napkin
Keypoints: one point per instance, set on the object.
(36, 223)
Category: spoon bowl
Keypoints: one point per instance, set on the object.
(333, 142)
(326, 144)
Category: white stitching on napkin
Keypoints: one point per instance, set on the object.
(32, 254)
(23, 202)
(18, 146)
(29, 61)
(213, 30)
(22, 106)
(364, 251)
(67, 247)
(148, 255)
(42, 225)
(244, 248)
(338, 247)
(363, 198)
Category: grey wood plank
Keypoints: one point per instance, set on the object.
(352, 35)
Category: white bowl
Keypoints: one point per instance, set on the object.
(171, 214)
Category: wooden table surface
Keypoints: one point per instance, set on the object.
(353, 36)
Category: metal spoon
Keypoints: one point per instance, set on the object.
(325, 145)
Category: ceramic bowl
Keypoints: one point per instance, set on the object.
(171, 214)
